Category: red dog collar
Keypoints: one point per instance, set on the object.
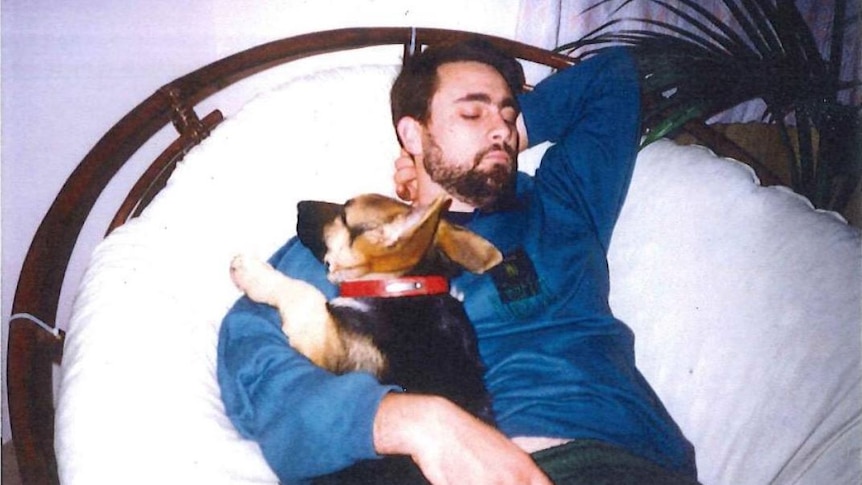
(406, 286)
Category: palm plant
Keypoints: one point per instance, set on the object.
(706, 67)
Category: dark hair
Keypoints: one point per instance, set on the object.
(417, 82)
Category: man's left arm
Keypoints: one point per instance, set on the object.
(591, 112)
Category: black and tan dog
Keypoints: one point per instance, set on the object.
(395, 316)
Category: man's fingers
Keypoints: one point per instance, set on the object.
(405, 177)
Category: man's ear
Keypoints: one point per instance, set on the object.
(410, 132)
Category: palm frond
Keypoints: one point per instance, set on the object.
(714, 28)
(700, 66)
(836, 45)
(760, 29)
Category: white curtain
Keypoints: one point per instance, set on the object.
(549, 23)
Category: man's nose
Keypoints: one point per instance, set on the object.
(500, 130)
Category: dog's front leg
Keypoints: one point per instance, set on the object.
(302, 308)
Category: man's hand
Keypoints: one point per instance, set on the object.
(405, 177)
(449, 445)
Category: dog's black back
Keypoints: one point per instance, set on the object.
(429, 344)
(431, 348)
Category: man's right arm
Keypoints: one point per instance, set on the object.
(306, 420)
(309, 422)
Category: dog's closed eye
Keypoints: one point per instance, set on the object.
(362, 229)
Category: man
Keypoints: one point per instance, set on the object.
(560, 367)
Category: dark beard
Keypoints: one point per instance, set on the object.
(486, 190)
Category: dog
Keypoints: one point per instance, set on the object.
(395, 317)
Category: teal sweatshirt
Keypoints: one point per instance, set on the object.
(559, 363)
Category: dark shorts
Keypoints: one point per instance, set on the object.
(591, 462)
(574, 463)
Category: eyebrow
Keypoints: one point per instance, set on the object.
(508, 102)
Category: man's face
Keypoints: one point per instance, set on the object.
(470, 140)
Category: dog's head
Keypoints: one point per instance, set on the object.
(373, 236)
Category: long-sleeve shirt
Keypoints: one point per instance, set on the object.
(559, 364)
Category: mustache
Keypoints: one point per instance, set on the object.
(510, 151)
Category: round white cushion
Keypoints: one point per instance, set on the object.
(744, 300)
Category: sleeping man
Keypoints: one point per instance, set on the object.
(570, 404)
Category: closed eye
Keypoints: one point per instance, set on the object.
(471, 112)
(352, 231)
(358, 230)
(509, 114)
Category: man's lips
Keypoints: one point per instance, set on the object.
(496, 157)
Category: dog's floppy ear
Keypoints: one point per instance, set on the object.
(463, 247)
(312, 217)
(412, 233)
(471, 251)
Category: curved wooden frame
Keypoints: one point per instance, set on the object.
(32, 350)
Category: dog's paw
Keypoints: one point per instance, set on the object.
(256, 278)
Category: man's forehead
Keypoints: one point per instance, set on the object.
(471, 81)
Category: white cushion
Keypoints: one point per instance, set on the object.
(745, 302)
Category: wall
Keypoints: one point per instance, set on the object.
(70, 70)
